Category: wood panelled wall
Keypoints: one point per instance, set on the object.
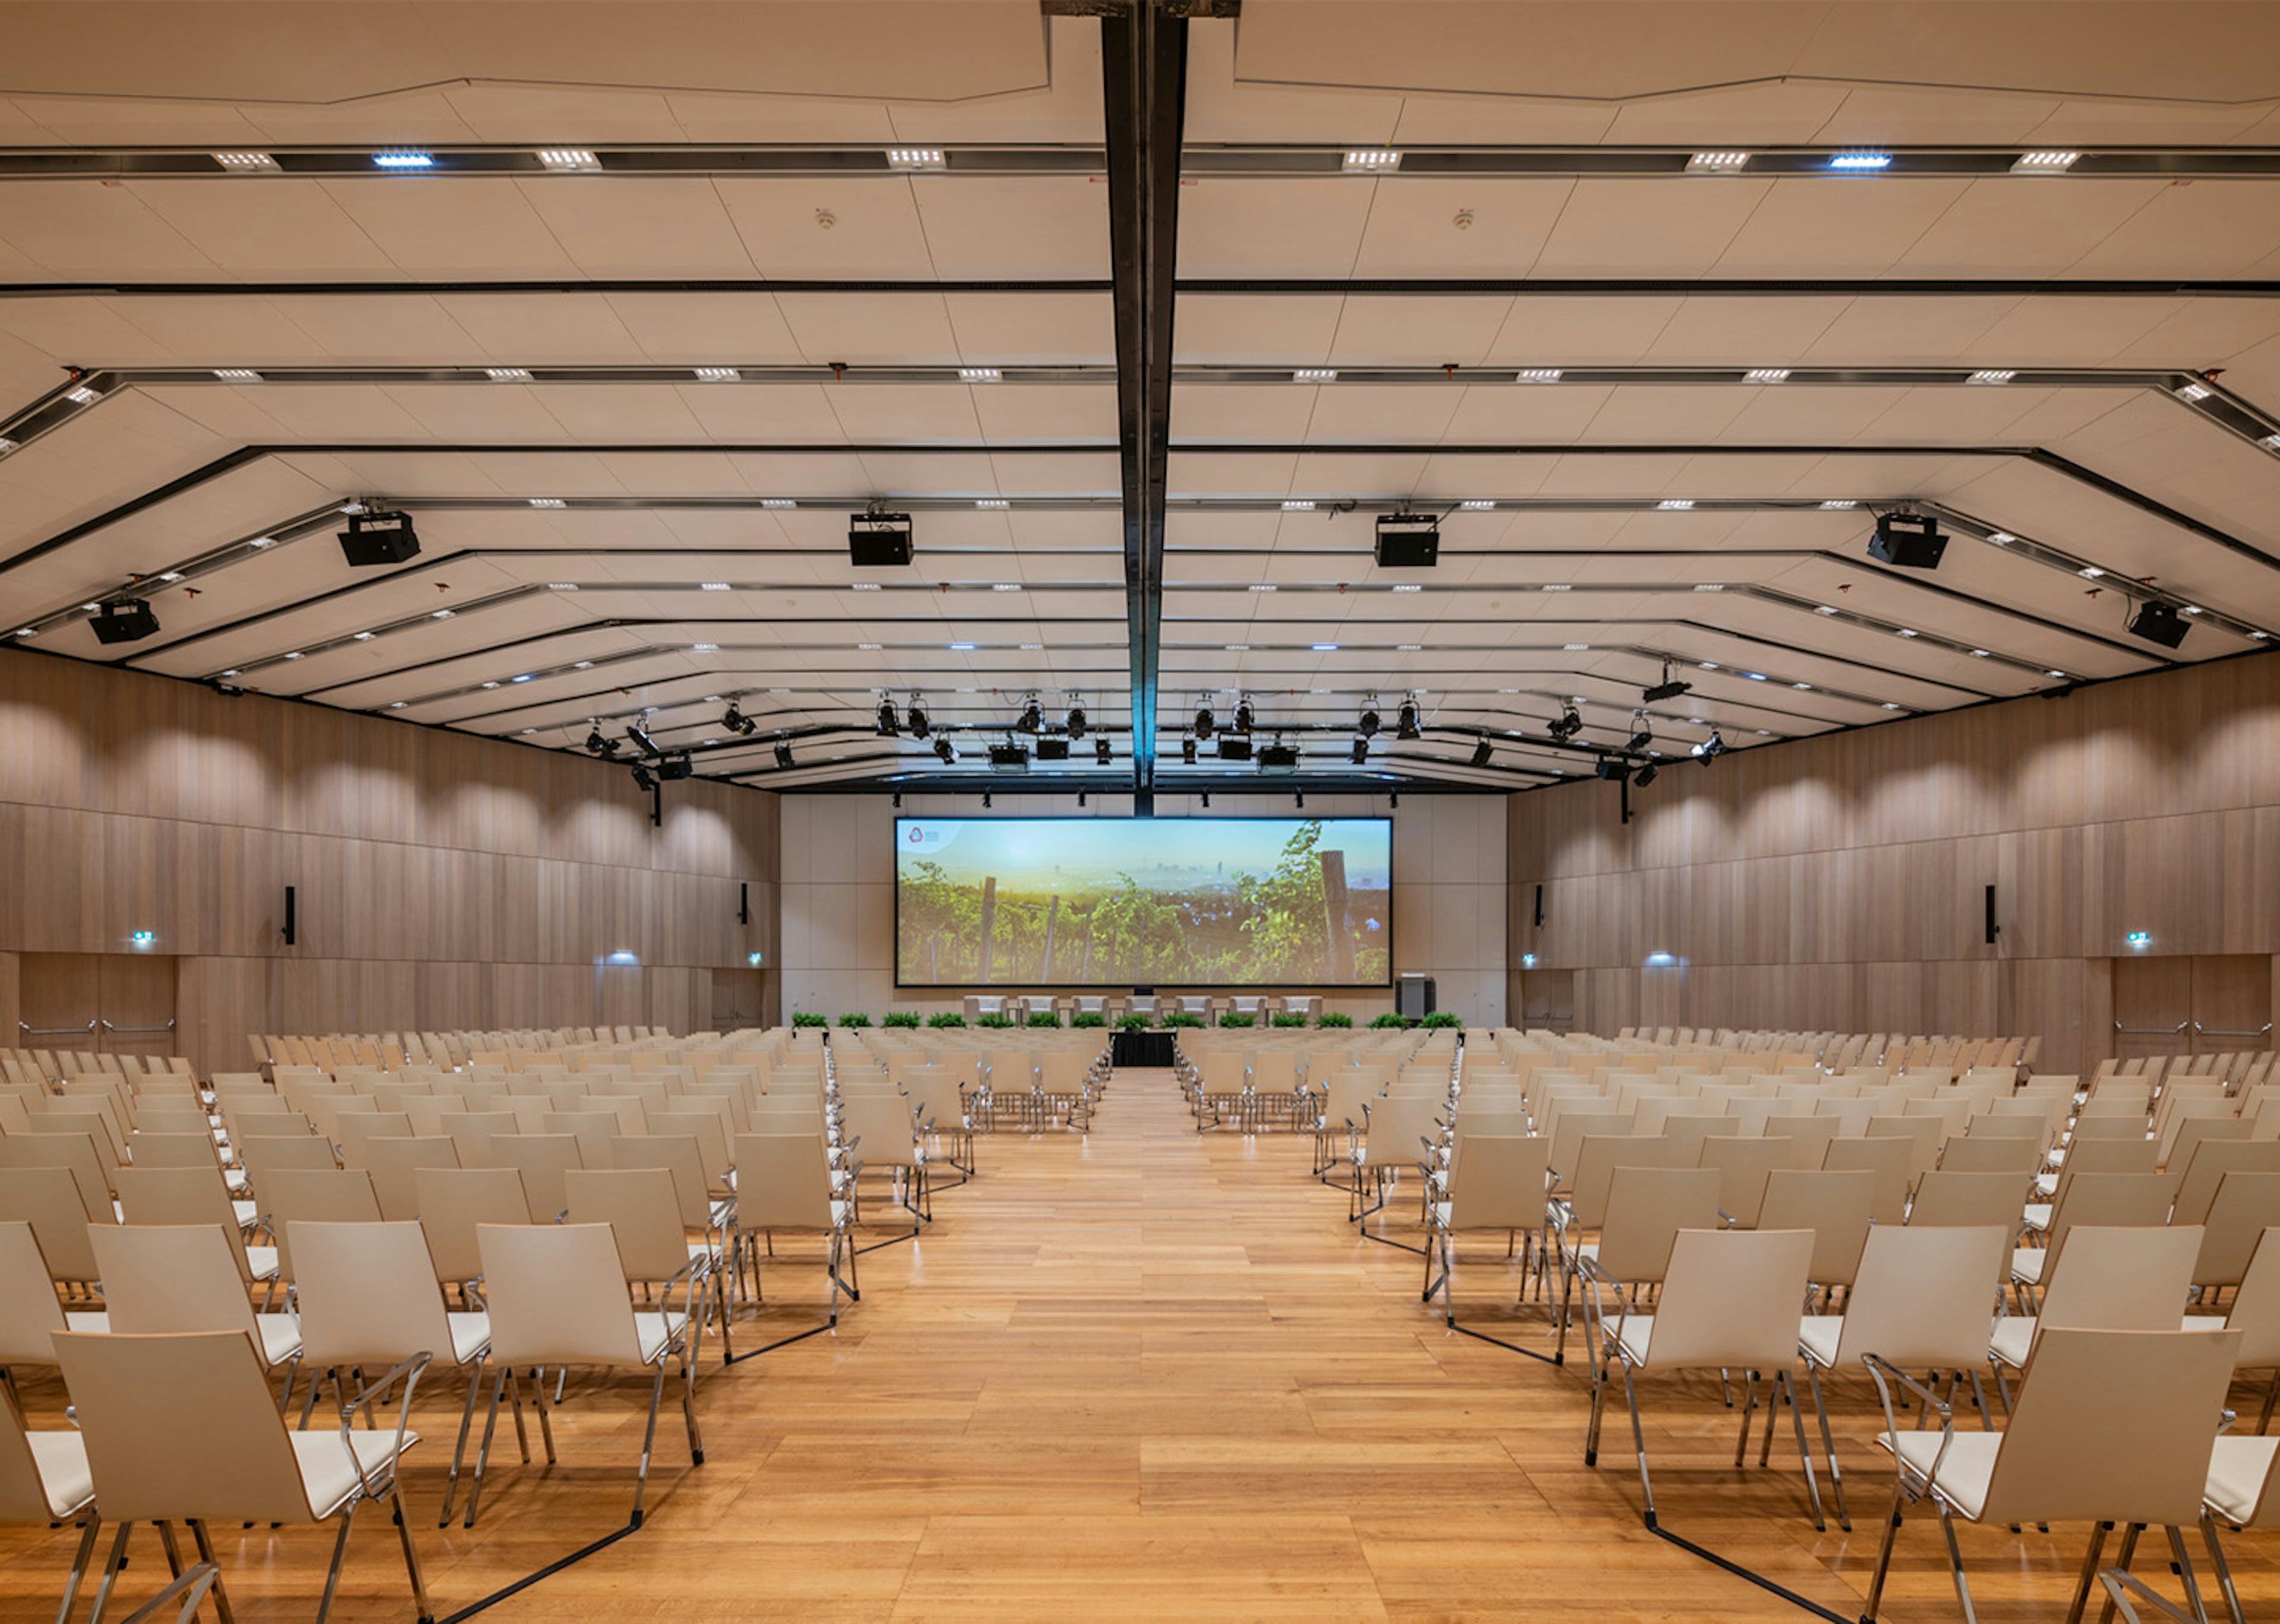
(442, 881)
(1839, 881)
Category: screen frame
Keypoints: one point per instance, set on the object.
(1392, 974)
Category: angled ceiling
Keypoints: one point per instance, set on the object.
(633, 394)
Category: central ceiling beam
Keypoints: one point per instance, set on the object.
(1143, 68)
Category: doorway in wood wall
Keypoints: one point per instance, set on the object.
(2206, 1003)
(97, 1003)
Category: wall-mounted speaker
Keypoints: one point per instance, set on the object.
(1907, 542)
(1993, 929)
(291, 933)
(1539, 907)
(743, 902)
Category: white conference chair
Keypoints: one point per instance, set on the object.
(180, 1278)
(45, 1480)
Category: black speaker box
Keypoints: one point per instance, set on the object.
(1908, 542)
(123, 619)
(2159, 623)
(1407, 544)
(882, 541)
(379, 538)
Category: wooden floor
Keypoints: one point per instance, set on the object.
(1144, 1374)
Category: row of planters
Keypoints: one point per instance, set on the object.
(910, 1020)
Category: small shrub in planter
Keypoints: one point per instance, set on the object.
(998, 1022)
(1388, 1022)
(1337, 1021)
(1044, 1018)
(1286, 1020)
(905, 1020)
(809, 1018)
(1087, 1019)
(1132, 1023)
(1231, 1018)
(855, 1020)
(1182, 1017)
(1440, 1020)
(945, 1021)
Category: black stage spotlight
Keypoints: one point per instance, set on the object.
(1100, 750)
(1481, 753)
(985, 800)
(1368, 722)
(1665, 690)
(736, 722)
(1393, 801)
(1074, 721)
(643, 779)
(1245, 717)
(945, 749)
(638, 732)
(1188, 753)
(1080, 797)
(2157, 622)
(1203, 722)
(674, 767)
(898, 800)
(1207, 800)
(1408, 541)
(1907, 542)
(379, 538)
(1009, 757)
(1299, 799)
(1710, 748)
(122, 619)
(1645, 776)
(1234, 747)
(890, 726)
(600, 745)
(1361, 751)
(783, 752)
(879, 540)
(915, 713)
(1405, 723)
(1052, 747)
(1567, 727)
(1032, 717)
(1278, 756)
(1608, 768)
(1644, 736)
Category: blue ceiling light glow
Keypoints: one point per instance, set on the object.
(1861, 160)
(1527, 961)
(1658, 960)
(144, 940)
(623, 957)
(403, 160)
(2139, 940)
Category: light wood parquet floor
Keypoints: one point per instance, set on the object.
(1143, 1374)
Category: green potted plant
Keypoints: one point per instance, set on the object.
(1132, 1023)
(905, 1021)
(1441, 1019)
(996, 1021)
(1183, 1018)
(1388, 1022)
(1335, 1021)
(1232, 1018)
(945, 1021)
(1089, 1018)
(1284, 1021)
(855, 1018)
(1044, 1018)
(809, 1018)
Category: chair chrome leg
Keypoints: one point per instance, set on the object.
(339, 1556)
(1749, 1411)
(2184, 1561)
(1638, 1444)
(2223, 1569)
(1884, 1550)
(206, 1554)
(1829, 1443)
(88, 1530)
(483, 1452)
(649, 1442)
(1955, 1563)
(1803, 1452)
(2121, 1561)
(460, 1451)
(545, 1414)
(111, 1566)
(426, 1614)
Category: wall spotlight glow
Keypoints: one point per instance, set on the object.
(144, 940)
(2139, 940)
(1658, 960)
(623, 956)
(1527, 961)
(755, 959)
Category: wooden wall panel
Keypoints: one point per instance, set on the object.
(2149, 804)
(442, 880)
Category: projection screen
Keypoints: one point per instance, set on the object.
(1124, 902)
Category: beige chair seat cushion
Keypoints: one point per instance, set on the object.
(61, 1457)
(1817, 1336)
(2027, 1264)
(2039, 1215)
(95, 1322)
(328, 1474)
(2012, 1337)
(280, 1337)
(1965, 1472)
(657, 1332)
(471, 1333)
(261, 1262)
(1635, 1334)
(2235, 1477)
(247, 1212)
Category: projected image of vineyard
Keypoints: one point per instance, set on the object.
(1242, 902)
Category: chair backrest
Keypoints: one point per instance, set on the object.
(471, 1133)
(1742, 1166)
(2256, 1305)
(30, 1312)
(2121, 1280)
(678, 1155)
(1811, 1137)
(454, 1201)
(886, 1123)
(1646, 1209)
(155, 1455)
(641, 1206)
(1730, 1299)
(594, 1131)
(262, 1157)
(1600, 1155)
(1567, 1131)
(1837, 1207)
(160, 1279)
(1920, 1298)
(2113, 1426)
(1399, 1126)
(48, 1199)
(315, 1195)
(1970, 1200)
(75, 1154)
(2113, 1201)
(172, 1196)
(2196, 1123)
(2245, 1204)
(1499, 1183)
(368, 1295)
(783, 1181)
(1993, 1153)
(541, 1160)
(1892, 1163)
(2215, 1161)
(391, 1163)
(558, 1295)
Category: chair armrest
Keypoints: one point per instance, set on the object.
(408, 1372)
(1880, 1369)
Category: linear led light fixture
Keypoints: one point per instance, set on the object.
(1766, 374)
(2193, 393)
(979, 374)
(719, 374)
(82, 395)
(914, 158)
(1992, 374)
(1675, 504)
(507, 374)
(237, 374)
(1860, 162)
(1298, 505)
(1838, 504)
(1537, 374)
(1371, 161)
(2043, 163)
(1717, 162)
(247, 163)
(403, 160)
(1315, 375)
(1477, 504)
(6, 445)
(548, 502)
(569, 160)
(992, 503)
(777, 504)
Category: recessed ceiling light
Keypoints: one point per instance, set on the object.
(1371, 161)
(527, 732)
(1706, 664)
(2271, 442)
(2188, 609)
(441, 614)
(991, 502)
(1324, 648)
(1824, 609)
(979, 374)
(1477, 504)
(2043, 163)
(1981, 654)
(1675, 504)
(1033, 648)
(1407, 586)
(961, 647)
(403, 160)
(1992, 374)
(507, 374)
(2091, 572)
(863, 586)
(1575, 647)
(237, 374)
(365, 636)
(548, 502)
(2061, 675)
(1889, 705)
(561, 586)
(90, 608)
(6, 446)
(704, 648)
(230, 672)
(262, 542)
(2001, 538)
(524, 677)
(172, 576)
(1298, 505)
(294, 654)
(916, 157)
(1315, 375)
(2191, 392)
(2259, 636)
(1838, 504)
(493, 683)
(584, 664)
(1716, 163)
(1709, 586)
(1909, 632)
(82, 395)
(1408, 648)
(1766, 374)
(393, 705)
(711, 586)
(568, 160)
(719, 374)
(1004, 586)
(1861, 160)
(1558, 585)
(868, 648)
(1238, 648)
(1262, 586)
(1802, 687)
(1537, 374)
(247, 163)
(777, 503)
